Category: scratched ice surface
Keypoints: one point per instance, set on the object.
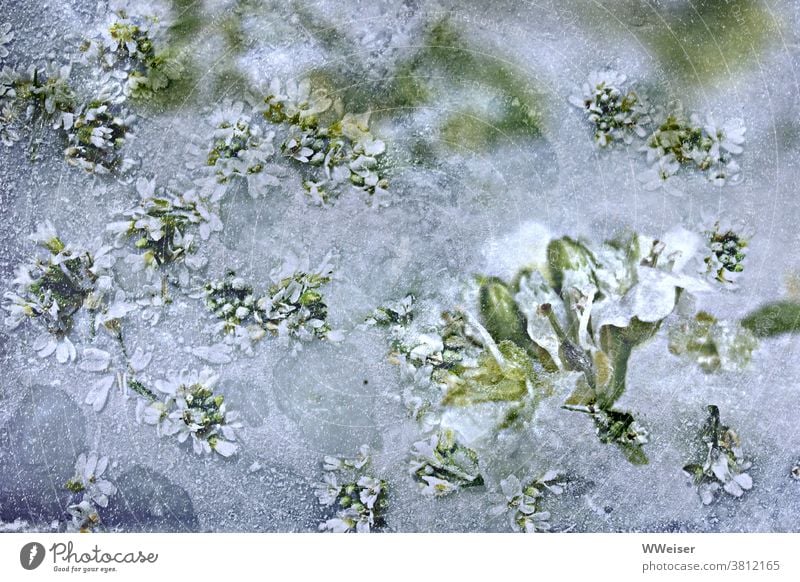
(475, 187)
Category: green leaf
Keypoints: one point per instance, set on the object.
(774, 319)
(500, 314)
(492, 381)
(634, 453)
(566, 254)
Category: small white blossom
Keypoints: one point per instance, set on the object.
(617, 114)
(358, 498)
(89, 480)
(724, 466)
(190, 408)
(6, 36)
(520, 502)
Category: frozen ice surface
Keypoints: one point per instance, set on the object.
(471, 192)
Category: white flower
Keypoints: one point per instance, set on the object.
(428, 346)
(156, 414)
(116, 310)
(191, 409)
(436, 487)
(615, 113)
(98, 395)
(346, 521)
(47, 237)
(370, 490)
(296, 102)
(47, 344)
(729, 137)
(659, 174)
(88, 480)
(84, 517)
(520, 503)
(6, 36)
(328, 491)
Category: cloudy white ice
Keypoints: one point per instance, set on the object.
(486, 161)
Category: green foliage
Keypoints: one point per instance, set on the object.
(707, 39)
(516, 106)
(774, 319)
(500, 314)
(492, 380)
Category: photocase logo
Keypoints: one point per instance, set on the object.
(31, 555)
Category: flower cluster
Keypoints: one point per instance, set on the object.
(442, 465)
(92, 488)
(346, 152)
(293, 307)
(617, 114)
(714, 345)
(399, 313)
(295, 103)
(240, 148)
(328, 156)
(521, 502)
(94, 130)
(46, 92)
(132, 42)
(190, 408)
(675, 142)
(591, 307)
(33, 97)
(163, 225)
(727, 252)
(705, 146)
(428, 356)
(724, 465)
(572, 322)
(53, 287)
(359, 500)
(95, 133)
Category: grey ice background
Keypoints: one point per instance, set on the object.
(446, 213)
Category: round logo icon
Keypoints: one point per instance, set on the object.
(31, 555)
